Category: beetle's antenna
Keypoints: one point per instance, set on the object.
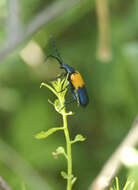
(55, 48)
(55, 57)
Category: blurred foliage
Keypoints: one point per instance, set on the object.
(112, 89)
(129, 185)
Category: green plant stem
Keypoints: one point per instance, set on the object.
(59, 86)
(69, 155)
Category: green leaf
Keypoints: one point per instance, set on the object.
(129, 184)
(78, 138)
(49, 87)
(44, 134)
(73, 180)
(117, 183)
(64, 175)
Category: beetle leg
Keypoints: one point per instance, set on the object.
(55, 57)
(75, 96)
(67, 102)
(59, 76)
(72, 100)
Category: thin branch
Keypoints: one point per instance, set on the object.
(48, 14)
(3, 184)
(14, 25)
(104, 49)
(44, 17)
(114, 163)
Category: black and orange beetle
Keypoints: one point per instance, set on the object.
(75, 79)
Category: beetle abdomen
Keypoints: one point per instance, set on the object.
(83, 96)
(78, 85)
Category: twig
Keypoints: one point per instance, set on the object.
(113, 165)
(104, 49)
(48, 14)
(44, 17)
(3, 184)
(14, 24)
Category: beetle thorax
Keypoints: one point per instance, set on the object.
(67, 68)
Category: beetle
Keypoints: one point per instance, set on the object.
(75, 79)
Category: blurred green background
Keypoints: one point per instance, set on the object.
(24, 109)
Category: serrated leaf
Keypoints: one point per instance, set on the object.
(44, 134)
(73, 180)
(78, 138)
(64, 175)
